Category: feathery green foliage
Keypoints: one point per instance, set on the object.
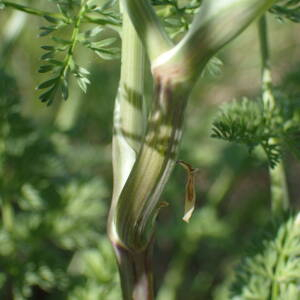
(271, 270)
(59, 61)
(76, 13)
(248, 122)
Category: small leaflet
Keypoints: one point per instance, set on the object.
(190, 191)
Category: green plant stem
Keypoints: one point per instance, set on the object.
(135, 270)
(279, 187)
(139, 201)
(74, 40)
(130, 109)
(148, 27)
(139, 173)
(174, 78)
(136, 196)
(215, 25)
(267, 86)
(129, 127)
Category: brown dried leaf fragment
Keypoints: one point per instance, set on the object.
(190, 191)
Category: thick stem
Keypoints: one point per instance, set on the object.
(148, 27)
(279, 187)
(135, 270)
(129, 128)
(144, 172)
(139, 201)
(129, 114)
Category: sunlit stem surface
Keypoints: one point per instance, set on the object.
(129, 126)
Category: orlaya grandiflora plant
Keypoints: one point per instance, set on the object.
(145, 143)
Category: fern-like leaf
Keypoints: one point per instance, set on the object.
(244, 122)
(59, 59)
(248, 122)
(271, 270)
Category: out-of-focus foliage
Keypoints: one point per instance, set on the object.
(51, 220)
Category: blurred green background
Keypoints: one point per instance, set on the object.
(56, 175)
